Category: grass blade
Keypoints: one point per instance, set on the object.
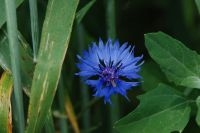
(3, 11)
(6, 84)
(34, 27)
(49, 125)
(54, 43)
(15, 61)
(81, 13)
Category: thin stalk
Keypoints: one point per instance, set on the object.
(111, 33)
(15, 61)
(61, 100)
(111, 18)
(71, 114)
(84, 89)
(34, 27)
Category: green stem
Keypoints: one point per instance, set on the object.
(111, 33)
(84, 89)
(110, 18)
(15, 61)
(61, 100)
(34, 27)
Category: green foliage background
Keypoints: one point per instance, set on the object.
(55, 100)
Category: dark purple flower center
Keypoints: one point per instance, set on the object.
(109, 76)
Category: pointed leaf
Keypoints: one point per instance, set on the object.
(161, 109)
(179, 63)
(54, 43)
(81, 13)
(6, 84)
(198, 111)
(152, 75)
(198, 5)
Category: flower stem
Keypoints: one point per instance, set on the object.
(111, 18)
(111, 33)
(84, 89)
(61, 100)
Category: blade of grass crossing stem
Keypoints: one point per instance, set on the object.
(61, 100)
(34, 27)
(6, 84)
(54, 43)
(15, 65)
(111, 33)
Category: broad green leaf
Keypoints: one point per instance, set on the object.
(198, 111)
(180, 64)
(54, 43)
(3, 11)
(81, 13)
(198, 4)
(6, 84)
(152, 75)
(161, 110)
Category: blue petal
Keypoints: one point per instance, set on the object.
(122, 92)
(100, 50)
(86, 74)
(136, 62)
(127, 85)
(115, 52)
(130, 75)
(108, 91)
(86, 61)
(97, 84)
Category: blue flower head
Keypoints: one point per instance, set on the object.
(110, 68)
